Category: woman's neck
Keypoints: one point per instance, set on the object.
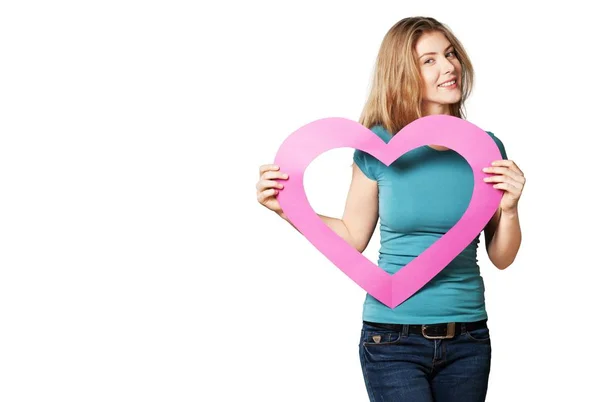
(440, 109)
(437, 109)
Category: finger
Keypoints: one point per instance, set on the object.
(509, 188)
(270, 175)
(504, 179)
(263, 195)
(505, 171)
(509, 164)
(266, 184)
(267, 167)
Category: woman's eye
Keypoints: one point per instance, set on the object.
(449, 54)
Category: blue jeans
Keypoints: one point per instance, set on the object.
(402, 366)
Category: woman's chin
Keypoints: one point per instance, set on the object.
(451, 100)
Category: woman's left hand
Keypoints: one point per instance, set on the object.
(510, 178)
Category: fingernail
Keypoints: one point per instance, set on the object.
(285, 176)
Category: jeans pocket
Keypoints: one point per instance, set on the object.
(372, 336)
(479, 335)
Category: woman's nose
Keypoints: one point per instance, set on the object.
(449, 67)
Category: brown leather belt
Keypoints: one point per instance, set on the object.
(432, 331)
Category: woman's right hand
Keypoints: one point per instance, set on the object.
(267, 187)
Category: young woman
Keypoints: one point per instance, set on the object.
(436, 345)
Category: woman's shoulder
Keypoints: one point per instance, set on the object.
(499, 144)
(494, 137)
(381, 132)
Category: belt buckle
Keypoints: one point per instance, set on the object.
(450, 331)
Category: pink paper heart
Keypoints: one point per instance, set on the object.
(315, 138)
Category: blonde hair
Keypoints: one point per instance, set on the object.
(395, 96)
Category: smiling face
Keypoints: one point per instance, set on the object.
(440, 73)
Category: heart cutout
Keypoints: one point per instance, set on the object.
(311, 140)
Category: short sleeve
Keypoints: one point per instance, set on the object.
(365, 163)
(499, 144)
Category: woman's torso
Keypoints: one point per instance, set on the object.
(422, 195)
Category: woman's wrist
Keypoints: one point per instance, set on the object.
(510, 213)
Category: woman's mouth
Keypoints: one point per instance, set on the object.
(448, 85)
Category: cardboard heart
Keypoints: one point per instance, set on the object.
(313, 139)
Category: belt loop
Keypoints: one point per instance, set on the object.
(463, 328)
(404, 330)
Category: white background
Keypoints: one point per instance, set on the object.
(135, 261)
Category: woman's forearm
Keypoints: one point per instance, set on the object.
(335, 224)
(506, 241)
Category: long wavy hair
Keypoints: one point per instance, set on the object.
(396, 94)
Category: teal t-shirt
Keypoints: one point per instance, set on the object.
(422, 195)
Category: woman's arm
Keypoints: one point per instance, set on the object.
(360, 213)
(503, 232)
(503, 238)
